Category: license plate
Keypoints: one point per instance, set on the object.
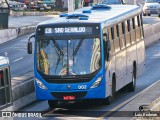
(68, 97)
(49, 7)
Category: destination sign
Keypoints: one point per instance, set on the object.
(68, 30)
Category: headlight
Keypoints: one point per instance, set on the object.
(97, 82)
(146, 7)
(41, 85)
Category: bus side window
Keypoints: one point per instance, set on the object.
(127, 35)
(138, 31)
(141, 26)
(121, 37)
(132, 32)
(112, 40)
(1, 79)
(116, 41)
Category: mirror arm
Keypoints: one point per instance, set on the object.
(31, 37)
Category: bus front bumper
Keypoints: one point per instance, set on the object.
(94, 93)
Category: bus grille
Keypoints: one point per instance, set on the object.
(59, 95)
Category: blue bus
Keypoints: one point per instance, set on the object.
(88, 54)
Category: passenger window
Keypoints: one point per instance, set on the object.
(127, 34)
(128, 25)
(111, 38)
(116, 41)
(7, 75)
(138, 20)
(138, 29)
(1, 78)
(112, 33)
(133, 23)
(122, 38)
(117, 30)
(141, 24)
(123, 28)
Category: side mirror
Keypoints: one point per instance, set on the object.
(29, 46)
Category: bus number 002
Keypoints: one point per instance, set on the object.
(82, 86)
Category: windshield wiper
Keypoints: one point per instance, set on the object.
(59, 52)
(78, 46)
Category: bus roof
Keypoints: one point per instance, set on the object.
(116, 12)
(3, 61)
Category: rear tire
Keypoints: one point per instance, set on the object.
(144, 14)
(132, 86)
(158, 15)
(149, 14)
(52, 103)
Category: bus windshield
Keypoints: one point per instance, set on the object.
(68, 57)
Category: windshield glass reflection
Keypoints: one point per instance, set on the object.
(68, 57)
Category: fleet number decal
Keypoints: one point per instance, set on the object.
(82, 86)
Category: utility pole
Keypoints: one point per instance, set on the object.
(70, 5)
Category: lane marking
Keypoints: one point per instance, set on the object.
(17, 59)
(125, 102)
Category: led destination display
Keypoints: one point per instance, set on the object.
(69, 30)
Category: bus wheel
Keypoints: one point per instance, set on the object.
(144, 14)
(113, 88)
(131, 86)
(52, 104)
(109, 99)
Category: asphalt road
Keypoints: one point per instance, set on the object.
(88, 110)
(20, 61)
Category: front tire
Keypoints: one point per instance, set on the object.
(52, 104)
(109, 99)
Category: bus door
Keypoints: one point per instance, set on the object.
(5, 88)
(110, 59)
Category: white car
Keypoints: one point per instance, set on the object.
(151, 7)
(14, 5)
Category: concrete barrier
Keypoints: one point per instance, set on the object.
(7, 35)
(152, 34)
(10, 34)
(34, 13)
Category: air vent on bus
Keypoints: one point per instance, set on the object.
(100, 7)
(75, 16)
(86, 11)
(63, 15)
